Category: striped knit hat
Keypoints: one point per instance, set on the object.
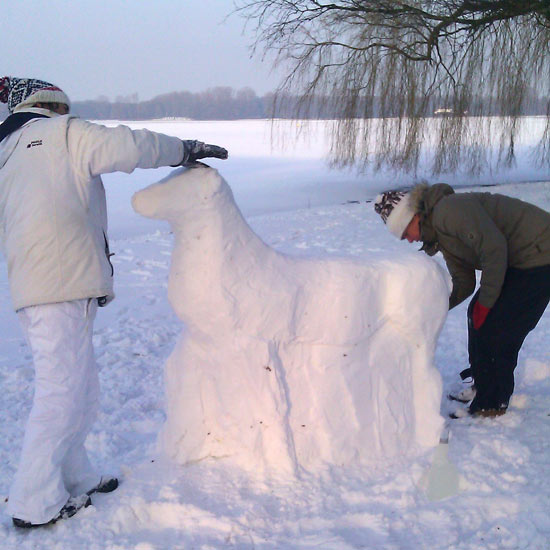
(24, 92)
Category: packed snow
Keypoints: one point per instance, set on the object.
(343, 494)
(264, 372)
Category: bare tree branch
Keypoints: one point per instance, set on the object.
(385, 66)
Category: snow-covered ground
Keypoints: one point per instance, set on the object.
(300, 208)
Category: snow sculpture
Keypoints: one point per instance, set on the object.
(287, 362)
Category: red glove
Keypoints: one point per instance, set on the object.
(479, 314)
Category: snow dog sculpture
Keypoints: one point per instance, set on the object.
(286, 362)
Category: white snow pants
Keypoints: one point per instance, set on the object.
(54, 464)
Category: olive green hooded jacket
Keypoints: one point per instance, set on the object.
(480, 231)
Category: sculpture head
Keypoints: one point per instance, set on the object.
(186, 188)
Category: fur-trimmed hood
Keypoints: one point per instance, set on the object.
(424, 197)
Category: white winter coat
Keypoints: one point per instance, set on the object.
(53, 215)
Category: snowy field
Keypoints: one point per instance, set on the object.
(298, 207)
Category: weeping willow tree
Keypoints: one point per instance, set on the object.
(384, 68)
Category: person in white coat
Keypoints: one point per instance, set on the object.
(53, 224)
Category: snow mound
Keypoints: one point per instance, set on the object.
(285, 362)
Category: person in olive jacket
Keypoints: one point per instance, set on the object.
(508, 240)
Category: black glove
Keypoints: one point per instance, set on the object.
(194, 150)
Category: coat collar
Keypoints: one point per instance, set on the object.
(36, 110)
(430, 244)
(16, 120)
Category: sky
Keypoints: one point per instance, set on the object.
(115, 48)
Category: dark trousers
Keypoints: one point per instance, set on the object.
(494, 348)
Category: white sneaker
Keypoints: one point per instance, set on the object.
(106, 485)
(72, 506)
(465, 395)
(460, 413)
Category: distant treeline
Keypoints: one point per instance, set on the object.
(220, 103)
(225, 103)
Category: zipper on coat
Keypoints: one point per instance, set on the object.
(108, 253)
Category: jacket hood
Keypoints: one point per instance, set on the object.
(424, 197)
